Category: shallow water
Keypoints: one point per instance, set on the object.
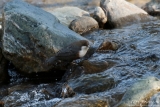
(137, 57)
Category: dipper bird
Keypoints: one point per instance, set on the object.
(75, 50)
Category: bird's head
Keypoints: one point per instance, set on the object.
(84, 47)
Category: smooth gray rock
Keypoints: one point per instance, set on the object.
(31, 35)
(67, 14)
(153, 7)
(140, 92)
(121, 13)
(84, 24)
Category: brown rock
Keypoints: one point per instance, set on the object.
(108, 45)
(94, 66)
(83, 24)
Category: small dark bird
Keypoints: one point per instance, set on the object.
(75, 50)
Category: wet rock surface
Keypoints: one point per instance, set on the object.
(135, 57)
(84, 101)
(29, 38)
(120, 13)
(91, 67)
(83, 24)
(152, 7)
(91, 83)
(140, 92)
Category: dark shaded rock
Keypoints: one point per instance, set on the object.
(67, 14)
(140, 93)
(32, 35)
(73, 72)
(3, 68)
(152, 7)
(100, 16)
(91, 67)
(91, 83)
(121, 13)
(83, 24)
(84, 101)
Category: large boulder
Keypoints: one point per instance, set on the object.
(67, 14)
(140, 92)
(153, 7)
(31, 35)
(121, 13)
